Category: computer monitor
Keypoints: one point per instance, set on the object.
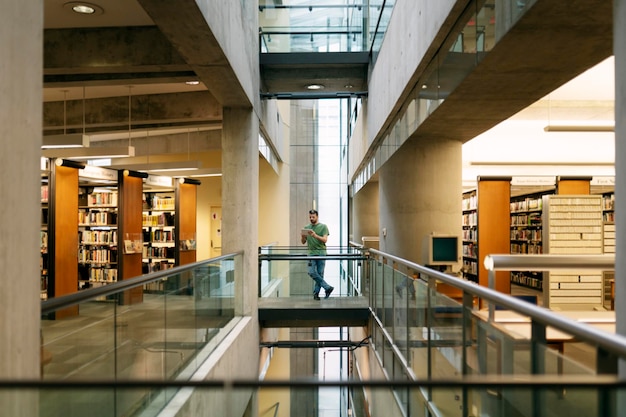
(443, 250)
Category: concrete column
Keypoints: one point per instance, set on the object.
(21, 63)
(420, 191)
(619, 43)
(240, 200)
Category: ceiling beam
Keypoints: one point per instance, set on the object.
(147, 112)
(117, 50)
(541, 52)
(185, 26)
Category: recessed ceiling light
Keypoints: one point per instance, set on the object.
(192, 82)
(315, 86)
(348, 86)
(84, 8)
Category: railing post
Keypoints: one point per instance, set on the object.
(467, 333)
(606, 363)
(538, 363)
(259, 275)
(492, 286)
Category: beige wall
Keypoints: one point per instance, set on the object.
(279, 369)
(273, 204)
(209, 195)
(365, 213)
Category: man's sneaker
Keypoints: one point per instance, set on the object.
(328, 291)
(316, 296)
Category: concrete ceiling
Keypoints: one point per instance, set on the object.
(144, 52)
(552, 43)
(132, 52)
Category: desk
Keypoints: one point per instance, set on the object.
(588, 316)
(519, 328)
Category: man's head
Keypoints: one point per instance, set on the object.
(313, 216)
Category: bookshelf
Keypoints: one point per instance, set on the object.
(159, 242)
(573, 185)
(62, 233)
(186, 200)
(130, 218)
(573, 225)
(97, 236)
(470, 236)
(492, 215)
(43, 239)
(526, 235)
(608, 244)
(608, 213)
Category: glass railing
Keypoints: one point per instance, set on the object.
(323, 26)
(158, 327)
(437, 327)
(283, 271)
(436, 345)
(554, 397)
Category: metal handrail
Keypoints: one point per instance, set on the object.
(508, 262)
(613, 343)
(304, 255)
(468, 381)
(64, 301)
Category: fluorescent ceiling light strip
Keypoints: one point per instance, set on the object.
(74, 140)
(579, 128)
(166, 167)
(91, 153)
(205, 172)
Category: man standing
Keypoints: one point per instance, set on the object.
(315, 235)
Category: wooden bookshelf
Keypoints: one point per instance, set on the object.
(492, 205)
(62, 235)
(43, 239)
(96, 218)
(186, 201)
(567, 185)
(131, 191)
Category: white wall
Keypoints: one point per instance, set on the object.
(520, 146)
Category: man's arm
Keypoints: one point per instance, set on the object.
(322, 239)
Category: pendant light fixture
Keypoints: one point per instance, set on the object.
(92, 152)
(74, 140)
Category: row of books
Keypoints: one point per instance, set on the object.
(107, 237)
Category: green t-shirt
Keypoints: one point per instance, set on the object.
(315, 246)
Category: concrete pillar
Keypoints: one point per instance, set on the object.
(619, 43)
(240, 199)
(21, 63)
(365, 212)
(420, 191)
